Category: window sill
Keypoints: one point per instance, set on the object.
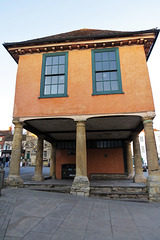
(53, 96)
(107, 93)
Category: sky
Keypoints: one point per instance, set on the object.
(29, 19)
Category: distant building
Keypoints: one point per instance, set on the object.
(29, 147)
(6, 139)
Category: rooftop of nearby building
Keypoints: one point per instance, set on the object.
(5, 132)
(9, 135)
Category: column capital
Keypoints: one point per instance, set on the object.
(18, 124)
(81, 123)
(147, 119)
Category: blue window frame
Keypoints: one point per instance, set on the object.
(54, 75)
(106, 71)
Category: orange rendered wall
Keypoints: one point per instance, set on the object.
(97, 162)
(63, 158)
(135, 84)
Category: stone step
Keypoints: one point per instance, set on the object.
(113, 189)
(43, 184)
(108, 176)
(120, 192)
(47, 189)
(141, 196)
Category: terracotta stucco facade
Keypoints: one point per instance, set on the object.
(135, 85)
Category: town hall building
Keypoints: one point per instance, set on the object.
(88, 93)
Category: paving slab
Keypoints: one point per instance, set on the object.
(27, 214)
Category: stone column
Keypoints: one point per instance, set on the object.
(53, 161)
(139, 176)
(153, 180)
(14, 178)
(39, 161)
(81, 184)
(129, 160)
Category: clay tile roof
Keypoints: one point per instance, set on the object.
(78, 35)
(82, 35)
(5, 132)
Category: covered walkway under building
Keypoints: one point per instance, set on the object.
(100, 145)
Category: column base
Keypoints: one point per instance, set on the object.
(80, 186)
(14, 181)
(37, 178)
(52, 176)
(139, 178)
(153, 184)
(130, 176)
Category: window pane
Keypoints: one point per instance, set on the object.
(112, 56)
(48, 70)
(54, 79)
(107, 86)
(61, 89)
(113, 65)
(98, 76)
(61, 79)
(98, 66)
(113, 75)
(98, 57)
(99, 86)
(61, 69)
(54, 89)
(48, 60)
(55, 60)
(47, 80)
(47, 90)
(114, 85)
(106, 76)
(105, 56)
(54, 69)
(105, 65)
(61, 59)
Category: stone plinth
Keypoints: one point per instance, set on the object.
(14, 180)
(153, 184)
(80, 186)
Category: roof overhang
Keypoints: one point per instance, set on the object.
(84, 39)
(97, 128)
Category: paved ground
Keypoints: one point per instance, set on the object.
(28, 215)
(28, 172)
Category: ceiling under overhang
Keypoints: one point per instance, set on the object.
(118, 127)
